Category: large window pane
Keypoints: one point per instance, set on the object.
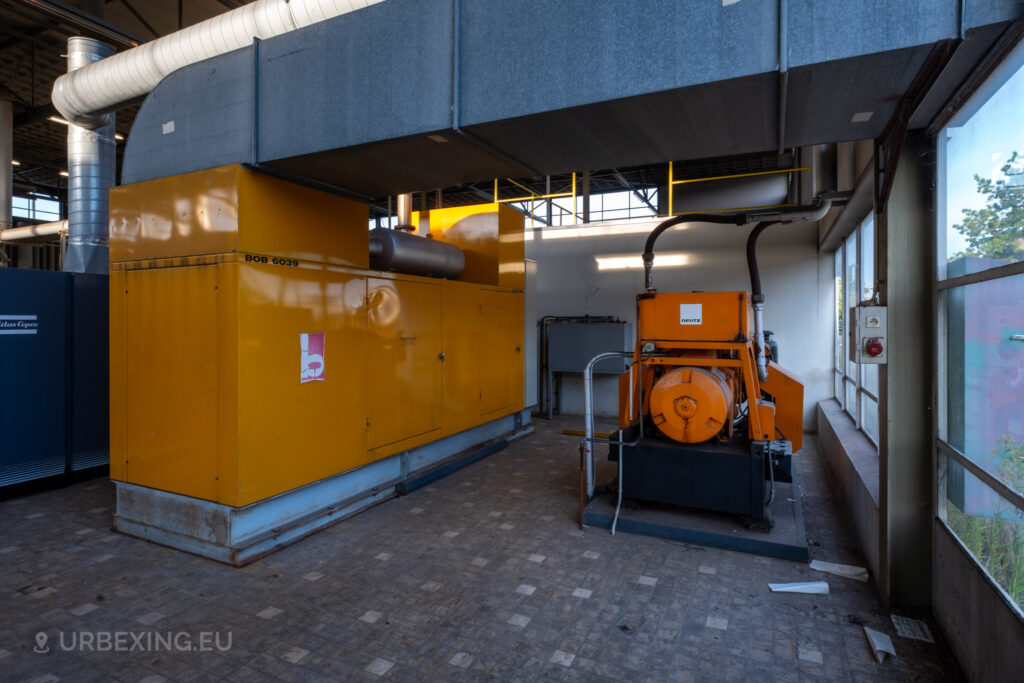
(982, 173)
(840, 338)
(985, 375)
(870, 378)
(852, 293)
(851, 399)
(867, 258)
(989, 525)
(869, 417)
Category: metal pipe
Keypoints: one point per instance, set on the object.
(404, 212)
(757, 298)
(588, 411)
(811, 212)
(90, 173)
(128, 76)
(618, 505)
(30, 231)
(6, 160)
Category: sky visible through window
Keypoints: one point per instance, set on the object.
(982, 146)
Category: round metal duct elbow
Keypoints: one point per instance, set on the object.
(401, 252)
(103, 86)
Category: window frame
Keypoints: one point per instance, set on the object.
(841, 377)
(943, 451)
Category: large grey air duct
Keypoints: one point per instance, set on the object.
(129, 75)
(90, 174)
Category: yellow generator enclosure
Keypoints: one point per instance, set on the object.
(253, 352)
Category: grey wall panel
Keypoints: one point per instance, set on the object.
(198, 117)
(519, 58)
(380, 73)
(827, 30)
(984, 631)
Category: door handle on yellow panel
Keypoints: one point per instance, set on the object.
(440, 356)
(518, 349)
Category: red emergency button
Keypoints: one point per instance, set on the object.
(873, 347)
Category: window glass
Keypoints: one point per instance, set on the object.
(840, 338)
(870, 382)
(989, 525)
(850, 283)
(981, 157)
(985, 374)
(851, 399)
(867, 258)
(869, 417)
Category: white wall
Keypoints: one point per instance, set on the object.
(798, 286)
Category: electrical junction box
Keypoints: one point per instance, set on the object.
(868, 341)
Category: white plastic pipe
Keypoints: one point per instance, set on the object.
(103, 86)
(30, 231)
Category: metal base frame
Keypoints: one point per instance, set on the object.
(721, 477)
(240, 535)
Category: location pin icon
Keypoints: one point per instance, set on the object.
(41, 639)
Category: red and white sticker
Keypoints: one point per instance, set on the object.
(312, 358)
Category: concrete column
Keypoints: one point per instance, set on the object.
(91, 171)
(6, 156)
(905, 261)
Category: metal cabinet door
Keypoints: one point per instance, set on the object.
(463, 357)
(404, 386)
(501, 334)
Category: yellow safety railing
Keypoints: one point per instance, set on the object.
(533, 198)
(672, 182)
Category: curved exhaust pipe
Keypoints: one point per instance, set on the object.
(810, 212)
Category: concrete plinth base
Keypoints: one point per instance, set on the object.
(239, 535)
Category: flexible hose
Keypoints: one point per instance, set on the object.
(722, 218)
(756, 295)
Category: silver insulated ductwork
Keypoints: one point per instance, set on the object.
(129, 75)
(91, 171)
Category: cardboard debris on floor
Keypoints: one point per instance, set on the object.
(812, 587)
(881, 644)
(847, 570)
(915, 629)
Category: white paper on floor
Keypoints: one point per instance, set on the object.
(813, 587)
(881, 644)
(915, 629)
(847, 570)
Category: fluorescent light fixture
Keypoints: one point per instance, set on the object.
(636, 262)
(15, 163)
(862, 117)
(63, 122)
(64, 173)
(437, 138)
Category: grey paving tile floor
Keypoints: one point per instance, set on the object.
(483, 575)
